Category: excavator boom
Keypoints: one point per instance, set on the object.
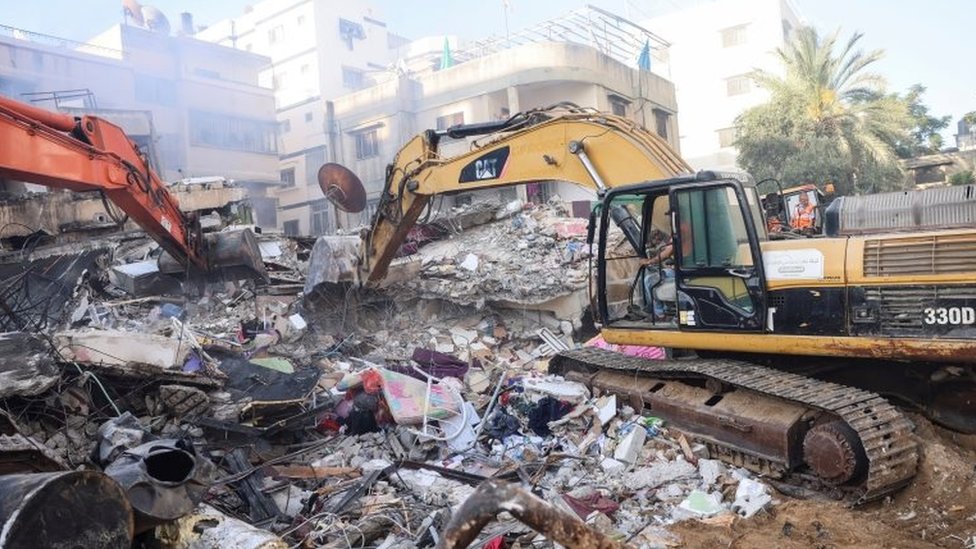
(92, 154)
(542, 145)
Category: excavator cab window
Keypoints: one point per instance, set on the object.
(638, 261)
(719, 283)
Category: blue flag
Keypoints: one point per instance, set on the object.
(644, 61)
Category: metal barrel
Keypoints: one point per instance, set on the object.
(63, 511)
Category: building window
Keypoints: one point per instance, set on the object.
(308, 117)
(661, 122)
(448, 120)
(305, 68)
(726, 137)
(737, 85)
(288, 177)
(284, 126)
(159, 91)
(275, 34)
(301, 20)
(247, 47)
(787, 30)
(734, 36)
(618, 105)
(349, 31)
(231, 132)
(206, 73)
(278, 80)
(322, 222)
(291, 228)
(314, 158)
(352, 78)
(367, 144)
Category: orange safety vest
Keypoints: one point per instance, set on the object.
(804, 217)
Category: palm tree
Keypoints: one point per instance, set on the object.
(835, 99)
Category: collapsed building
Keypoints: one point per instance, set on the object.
(274, 415)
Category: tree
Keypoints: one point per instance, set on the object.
(965, 177)
(827, 120)
(925, 136)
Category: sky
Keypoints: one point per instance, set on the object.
(928, 43)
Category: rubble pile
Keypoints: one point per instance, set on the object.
(526, 255)
(242, 414)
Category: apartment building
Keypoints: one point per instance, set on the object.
(317, 48)
(196, 106)
(715, 45)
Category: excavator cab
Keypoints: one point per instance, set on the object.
(710, 274)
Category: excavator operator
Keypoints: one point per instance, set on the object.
(804, 214)
(657, 269)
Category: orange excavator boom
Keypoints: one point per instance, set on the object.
(91, 154)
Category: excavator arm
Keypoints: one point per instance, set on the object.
(569, 144)
(92, 154)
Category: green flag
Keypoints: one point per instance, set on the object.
(447, 60)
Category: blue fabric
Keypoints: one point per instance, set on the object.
(652, 277)
(644, 61)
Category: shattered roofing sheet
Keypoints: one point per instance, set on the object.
(35, 294)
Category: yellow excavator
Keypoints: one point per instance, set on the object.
(782, 349)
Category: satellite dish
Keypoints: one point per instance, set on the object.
(342, 187)
(132, 9)
(155, 20)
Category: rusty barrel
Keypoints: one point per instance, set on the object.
(63, 511)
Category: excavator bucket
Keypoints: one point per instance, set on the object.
(232, 255)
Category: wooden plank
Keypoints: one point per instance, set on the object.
(308, 471)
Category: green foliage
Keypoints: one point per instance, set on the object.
(827, 120)
(965, 177)
(925, 136)
(970, 118)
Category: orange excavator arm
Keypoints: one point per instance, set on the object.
(91, 154)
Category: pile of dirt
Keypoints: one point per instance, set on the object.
(937, 510)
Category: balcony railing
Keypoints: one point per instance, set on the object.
(58, 42)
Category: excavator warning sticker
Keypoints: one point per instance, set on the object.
(794, 264)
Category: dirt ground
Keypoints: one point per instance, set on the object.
(937, 510)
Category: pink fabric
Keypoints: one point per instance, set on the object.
(639, 351)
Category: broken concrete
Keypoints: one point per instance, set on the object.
(26, 365)
(123, 348)
(208, 528)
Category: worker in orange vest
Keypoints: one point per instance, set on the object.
(805, 214)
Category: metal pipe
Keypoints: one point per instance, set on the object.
(576, 147)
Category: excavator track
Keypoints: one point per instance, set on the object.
(889, 446)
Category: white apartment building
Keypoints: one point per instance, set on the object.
(196, 106)
(715, 45)
(318, 48)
